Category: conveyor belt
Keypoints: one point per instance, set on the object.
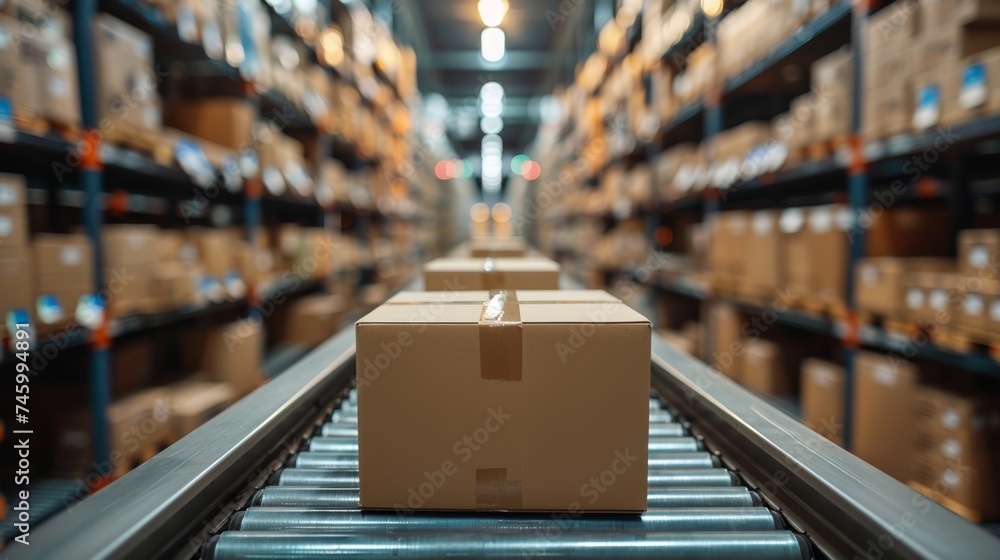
(697, 509)
(254, 467)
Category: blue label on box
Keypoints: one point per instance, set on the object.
(89, 311)
(974, 87)
(48, 308)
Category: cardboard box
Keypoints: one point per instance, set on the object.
(823, 398)
(978, 252)
(215, 250)
(224, 121)
(954, 445)
(449, 274)
(310, 320)
(976, 85)
(174, 284)
(948, 13)
(53, 69)
(15, 277)
(138, 425)
(763, 369)
(891, 28)
(232, 353)
(48, 17)
(934, 297)
(13, 211)
(832, 82)
(195, 402)
(550, 405)
(520, 296)
(764, 253)
(126, 81)
(727, 253)
(880, 283)
(981, 306)
(62, 261)
(497, 247)
(883, 396)
(18, 83)
(129, 245)
(725, 323)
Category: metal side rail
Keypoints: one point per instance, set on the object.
(275, 476)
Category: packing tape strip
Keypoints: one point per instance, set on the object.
(494, 491)
(500, 343)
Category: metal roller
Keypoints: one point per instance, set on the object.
(657, 460)
(768, 545)
(662, 521)
(658, 498)
(345, 445)
(330, 429)
(338, 430)
(316, 478)
(347, 478)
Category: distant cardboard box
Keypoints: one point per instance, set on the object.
(457, 274)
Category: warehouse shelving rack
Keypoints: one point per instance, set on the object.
(861, 165)
(106, 170)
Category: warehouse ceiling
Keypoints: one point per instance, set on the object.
(544, 41)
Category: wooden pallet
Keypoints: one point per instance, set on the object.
(41, 126)
(825, 306)
(826, 148)
(141, 140)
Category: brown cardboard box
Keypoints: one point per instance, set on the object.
(15, 277)
(130, 289)
(883, 397)
(215, 249)
(520, 296)
(315, 253)
(976, 84)
(137, 425)
(889, 29)
(728, 243)
(796, 250)
(13, 212)
(48, 17)
(497, 247)
(934, 297)
(981, 307)
(880, 283)
(126, 81)
(762, 368)
(195, 402)
(553, 392)
(310, 320)
(173, 284)
(62, 261)
(17, 77)
(823, 398)
(948, 13)
(129, 245)
(954, 441)
(832, 82)
(175, 246)
(978, 253)
(51, 59)
(225, 121)
(764, 252)
(727, 345)
(449, 274)
(232, 353)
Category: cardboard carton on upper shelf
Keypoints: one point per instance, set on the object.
(976, 87)
(195, 402)
(49, 18)
(225, 121)
(981, 307)
(497, 247)
(978, 253)
(551, 407)
(62, 260)
(15, 277)
(51, 63)
(823, 398)
(764, 253)
(883, 397)
(449, 274)
(13, 212)
(215, 249)
(952, 13)
(129, 245)
(934, 297)
(880, 283)
(832, 81)
(127, 83)
(892, 29)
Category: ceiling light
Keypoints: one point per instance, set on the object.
(491, 125)
(712, 8)
(492, 11)
(493, 43)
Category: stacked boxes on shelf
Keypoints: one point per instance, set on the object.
(15, 258)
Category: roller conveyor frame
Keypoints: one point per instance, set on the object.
(171, 505)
